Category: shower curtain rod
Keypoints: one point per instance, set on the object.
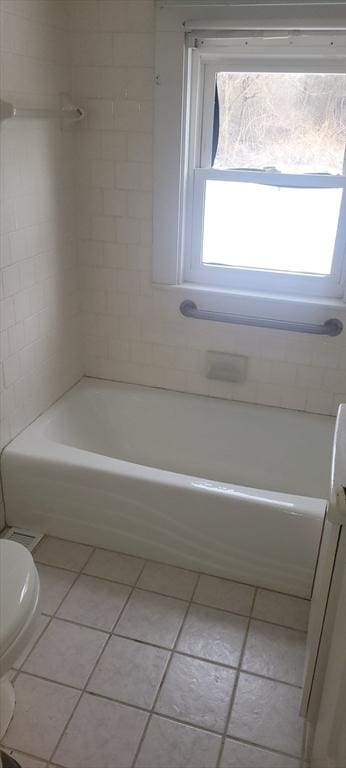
(66, 111)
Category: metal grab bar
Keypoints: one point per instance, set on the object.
(332, 327)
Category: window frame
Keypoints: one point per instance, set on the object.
(205, 58)
(174, 21)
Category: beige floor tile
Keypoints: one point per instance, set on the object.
(129, 671)
(237, 755)
(41, 624)
(267, 713)
(152, 618)
(41, 713)
(172, 745)
(224, 594)
(95, 602)
(61, 553)
(174, 582)
(25, 761)
(275, 651)
(114, 566)
(197, 692)
(101, 734)
(212, 634)
(54, 585)
(66, 653)
(282, 609)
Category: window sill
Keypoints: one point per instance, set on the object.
(310, 309)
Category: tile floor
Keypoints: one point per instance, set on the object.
(140, 664)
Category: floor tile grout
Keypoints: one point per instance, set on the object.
(272, 750)
(235, 686)
(173, 651)
(174, 597)
(54, 616)
(178, 722)
(84, 690)
(50, 616)
(162, 562)
(201, 605)
(113, 633)
(164, 676)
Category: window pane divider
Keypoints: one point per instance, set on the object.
(273, 178)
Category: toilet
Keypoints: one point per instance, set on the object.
(19, 598)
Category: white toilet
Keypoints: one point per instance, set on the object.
(19, 596)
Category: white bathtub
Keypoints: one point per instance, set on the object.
(226, 488)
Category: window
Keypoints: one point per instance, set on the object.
(264, 198)
(250, 138)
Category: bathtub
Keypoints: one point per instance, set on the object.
(226, 488)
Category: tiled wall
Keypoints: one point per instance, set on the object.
(132, 331)
(40, 351)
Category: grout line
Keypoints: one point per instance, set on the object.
(271, 750)
(172, 597)
(235, 686)
(181, 567)
(18, 669)
(172, 651)
(150, 713)
(210, 661)
(71, 585)
(112, 632)
(179, 722)
(84, 690)
(65, 541)
(160, 647)
(50, 616)
(79, 623)
(164, 676)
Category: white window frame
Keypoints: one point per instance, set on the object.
(173, 59)
(205, 58)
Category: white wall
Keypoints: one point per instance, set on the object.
(133, 332)
(39, 290)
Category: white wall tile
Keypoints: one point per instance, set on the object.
(113, 16)
(104, 228)
(133, 112)
(141, 325)
(40, 351)
(133, 50)
(94, 49)
(128, 231)
(140, 83)
(140, 146)
(114, 146)
(319, 401)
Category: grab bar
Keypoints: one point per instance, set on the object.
(331, 327)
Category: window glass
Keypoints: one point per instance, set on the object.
(264, 227)
(289, 121)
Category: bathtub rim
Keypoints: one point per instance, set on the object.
(55, 454)
(25, 444)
